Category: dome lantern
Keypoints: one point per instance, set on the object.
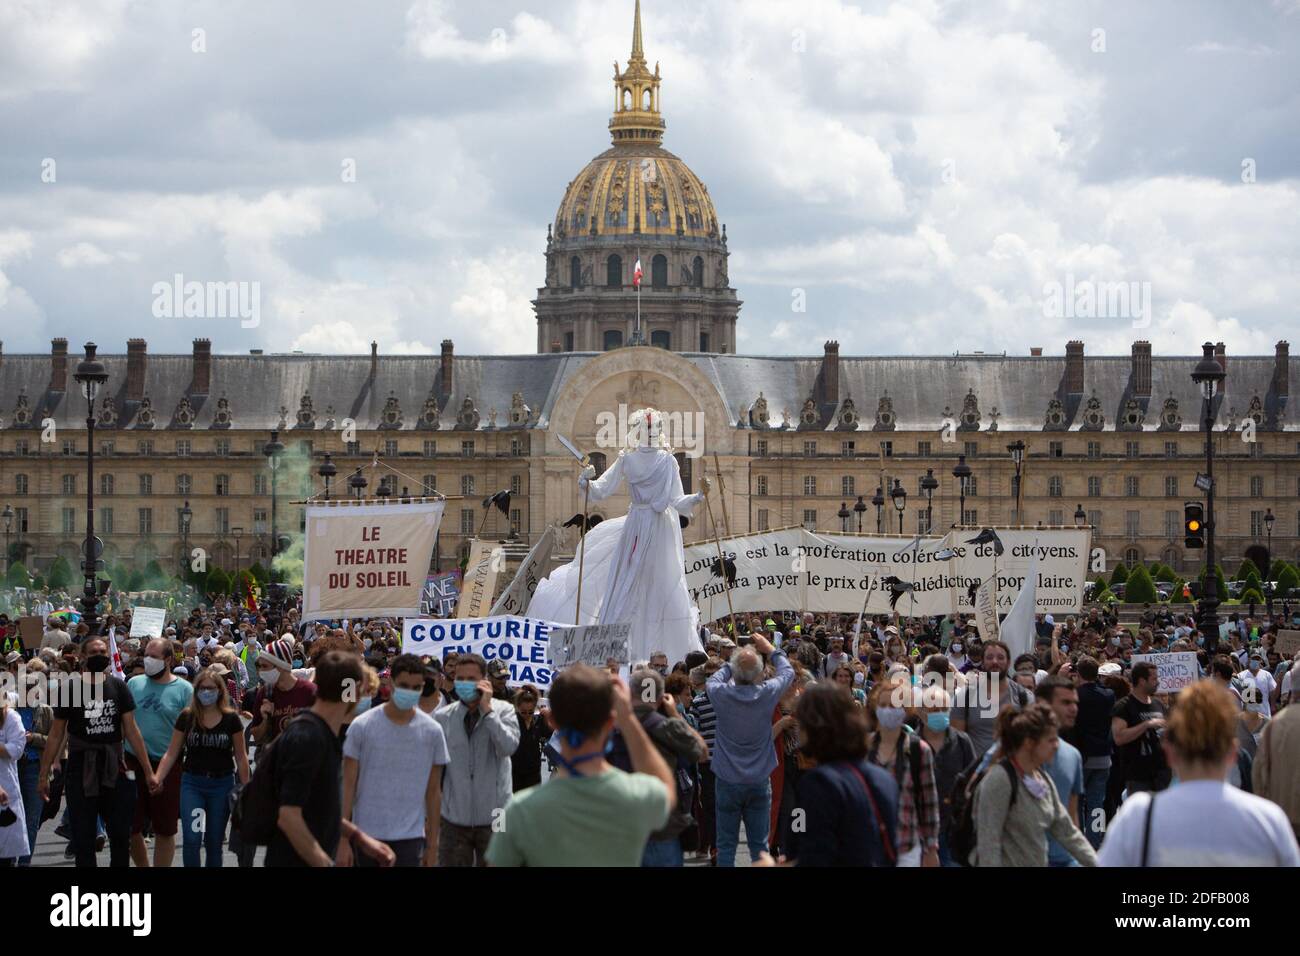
(636, 116)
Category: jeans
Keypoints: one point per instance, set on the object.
(115, 805)
(1064, 864)
(750, 802)
(408, 853)
(205, 811)
(462, 846)
(29, 777)
(663, 853)
(1094, 799)
(945, 851)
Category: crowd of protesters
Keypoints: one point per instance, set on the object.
(812, 739)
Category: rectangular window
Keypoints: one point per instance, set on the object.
(516, 447)
(106, 447)
(1132, 523)
(970, 517)
(390, 448)
(923, 449)
(846, 449)
(223, 521)
(306, 446)
(1173, 521)
(21, 446)
(1056, 449)
(183, 484)
(20, 484)
(1257, 524)
(516, 485)
(467, 449)
(1055, 519)
(146, 484)
(430, 448)
(105, 521)
(846, 486)
(69, 484)
(810, 449)
(1094, 519)
(183, 447)
(760, 484)
(352, 448)
(1131, 484)
(105, 484)
(810, 519)
(467, 484)
(429, 484)
(261, 525)
(810, 484)
(69, 446)
(972, 449)
(516, 520)
(1256, 450)
(1094, 486)
(222, 447)
(763, 521)
(1054, 486)
(1171, 486)
(466, 521)
(1171, 449)
(1132, 449)
(223, 485)
(145, 447)
(761, 447)
(146, 521)
(69, 520)
(888, 448)
(972, 487)
(261, 484)
(1094, 449)
(1256, 486)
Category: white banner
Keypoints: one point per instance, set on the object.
(521, 642)
(1176, 671)
(148, 621)
(367, 560)
(796, 570)
(594, 644)
(516, 598)
(486, 561)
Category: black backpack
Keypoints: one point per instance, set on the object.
(255, 810)
(683, 775)
(961, 827)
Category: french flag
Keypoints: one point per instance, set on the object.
(636, 275)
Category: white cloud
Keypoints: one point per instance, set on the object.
(82, 254)
(432, 35)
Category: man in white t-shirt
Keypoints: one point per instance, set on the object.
(1259, 685)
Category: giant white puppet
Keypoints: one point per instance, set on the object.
(633, 565)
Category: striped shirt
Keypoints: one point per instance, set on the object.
(702, 708)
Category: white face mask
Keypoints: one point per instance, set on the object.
(153, 666)
(270, 676)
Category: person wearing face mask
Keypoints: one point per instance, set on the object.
(392, 772)
(1136, 724)
(93, 727)
(910, 761)
(431, 695)
(1260, 689)
(482, 733)
(953, 753)
(281, 694)
(957, 656)
(526, 762)
(160, 697)
(208, 743)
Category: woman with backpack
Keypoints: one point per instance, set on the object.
(1016, 803)
(209, 741)
(908, 758)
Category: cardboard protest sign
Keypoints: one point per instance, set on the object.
(32, 631)
(519, 641)
(1176, 671)
(368, 560)
(148, 621)
(486, 561)
(516, 598)
(440, 594)
(594, 644)
(1288, 642)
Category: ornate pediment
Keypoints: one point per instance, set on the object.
(391, 416)
(144, 417)
(1094, 419)
(107, 417)
(184, 414)
(222, 419)
(758, 414)
(1133, 416)
(1170, 419)
(1256, 411)
(885, 418)
(1055, 421)
(468, 418)
(970, 413)
(847, 419)
(429, 413)
(22, 411)
(808, 417)
(306, 413)
(519, 412)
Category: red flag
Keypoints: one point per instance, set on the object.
(636, 275)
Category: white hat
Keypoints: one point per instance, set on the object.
(1108, 670)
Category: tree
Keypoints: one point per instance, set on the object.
(1287, 579)
(17, 576)
(1140, 589)
(1252, 596)
(217, 583)
(1221, 588)
(1119, 575)
(259, 573)
(1166, 573)
(60, 573)
(1275, 571)
(1247, 569)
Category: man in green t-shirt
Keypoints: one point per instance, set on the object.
(589, 813)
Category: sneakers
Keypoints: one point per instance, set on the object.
(63, 831)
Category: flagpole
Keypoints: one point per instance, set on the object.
(582, 547)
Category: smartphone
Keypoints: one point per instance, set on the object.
(744, 641)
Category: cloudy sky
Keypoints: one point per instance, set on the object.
(927, 176)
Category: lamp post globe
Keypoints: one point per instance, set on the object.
(327, 471)
(929, 484)
(898, 494)
(878, 499)
(860, 507)
(961, 471)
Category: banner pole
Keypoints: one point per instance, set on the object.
(582, 550)
(722, 495)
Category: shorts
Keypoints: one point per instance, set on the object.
(161, 810)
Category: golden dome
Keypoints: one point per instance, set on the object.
(637, 190)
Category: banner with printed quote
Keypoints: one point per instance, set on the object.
(799, 570)
(367, 560)
(522, 642)
(594, 644)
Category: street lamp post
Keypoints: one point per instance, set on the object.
(899, 496)
(8, 515)
(1080, 517)
(961, 471)
(878, 499)
(860, 507)
(186, 516)
(327, 470)
(273, 450)
(90, 375)
(1268, 583)
(1017, 449)
(357, 483)
(929, 484)
(238, 533)
(1208, 375)
(844, 514)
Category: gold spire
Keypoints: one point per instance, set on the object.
(636, 96)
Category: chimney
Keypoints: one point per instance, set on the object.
(1074, 367)
(135, 364)
(58, 365)
(1036, 351)
(1142, 369)
(447, 350)
(1282, 369)
(374, 360)
(202, 383)
(829, 380)
(1221, 353)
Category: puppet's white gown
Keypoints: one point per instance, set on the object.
(633, 568)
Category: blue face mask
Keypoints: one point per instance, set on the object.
(363, 705)
(937, 722)
(207, 697)
(404, 699)
(467, 690)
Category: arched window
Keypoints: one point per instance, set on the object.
(659, 272)
(661, 340)
(697, 272)
(684, 466)
(614, 272)
(575, 272)
(613, 339)
(1132, 557)
(598, 461)
(646, 101)
(627, 99)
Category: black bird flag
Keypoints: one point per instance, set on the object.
(897, 588)
(717, 568)
(985, 537)
(501, 499)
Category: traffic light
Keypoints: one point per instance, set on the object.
(1193, 524)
